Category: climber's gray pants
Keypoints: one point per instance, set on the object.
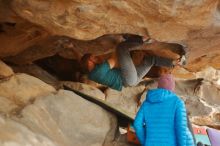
(131, 74)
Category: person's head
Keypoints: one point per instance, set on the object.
(166, 81)
(133, 38)
(88, 62)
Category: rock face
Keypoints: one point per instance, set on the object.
(22, 89)
(167, 21)
(7, 107)
(33, 30)
(39, 73)
(86, 20)
(210, 93)
(38, 115)
(126, 100)
(68, 120)
(86, 89)
(209, 74)
(202, 101)
(5, 71)
(31, 23)
(15, 134)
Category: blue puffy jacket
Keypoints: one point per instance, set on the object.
(162, 121)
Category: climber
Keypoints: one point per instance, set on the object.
(119, 69)
(162, 119)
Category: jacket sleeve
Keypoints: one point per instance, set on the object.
(139, 125)
(181, 124)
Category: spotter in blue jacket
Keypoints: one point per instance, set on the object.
(162, 121)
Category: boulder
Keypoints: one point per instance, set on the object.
(86, 89)
(188, 88)
(201, 97)
(38, 72)
(209, 73)
(7, 107)
(180, 72)
(165, 20)
(67, 119)
(196, 108)
(210, 93)
(27, 25)
(15, 134)
(18, 34)
(23, 88)
(126, 100)
(206, 121)
(5, 70)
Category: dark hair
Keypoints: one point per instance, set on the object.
(133, 38)
(84, 62)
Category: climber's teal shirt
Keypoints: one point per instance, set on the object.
(103, 74)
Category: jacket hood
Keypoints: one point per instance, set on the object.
(159, 95)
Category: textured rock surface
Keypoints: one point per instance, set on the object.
(5, 71)
(210, 93)
(35, 29)
(126, 99)
(31, 22)
(209, 74)
(22, 88)
(202, 101)
(15, 134)
(16, 34)
(167, 20)
(85, 88)
(39, 73)
(7, 107)
(183, 73)
(86, 19)
(68, 119)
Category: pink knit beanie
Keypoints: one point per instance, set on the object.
(166, 81)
